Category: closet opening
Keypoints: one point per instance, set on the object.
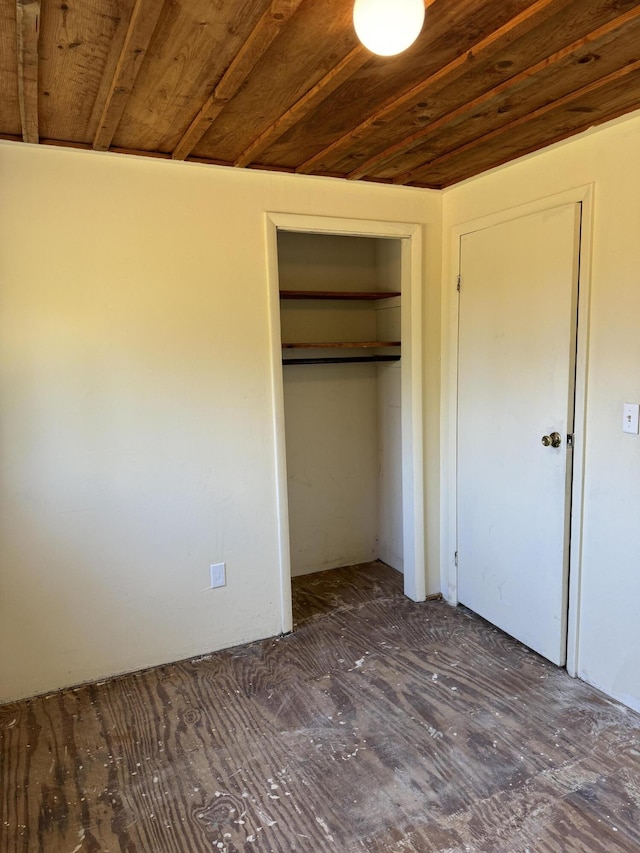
(351, 494)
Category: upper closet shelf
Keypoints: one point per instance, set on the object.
(338, 294)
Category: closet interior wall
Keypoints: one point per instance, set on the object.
(342, 420)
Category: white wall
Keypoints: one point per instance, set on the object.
(332, 465)
(136, 418)
(390, 506)
(609, 625)
(389, 328)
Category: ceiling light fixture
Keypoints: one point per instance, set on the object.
(387, 27)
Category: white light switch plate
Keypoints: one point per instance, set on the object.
(631, 418)
(218, 575)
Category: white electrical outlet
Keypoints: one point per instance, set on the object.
(630, 418)
(218, 574)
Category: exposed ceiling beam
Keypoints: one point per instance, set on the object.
(260, 40)
(454, 68)
(422, 172)
(28, 28)
(332, 80)
(136, 42)
(368, 167)
(115, 49)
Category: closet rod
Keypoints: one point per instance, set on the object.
(348, 360)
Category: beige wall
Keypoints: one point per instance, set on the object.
(610, 625)
(136, 417)
(136, 421)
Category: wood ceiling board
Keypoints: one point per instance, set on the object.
(450, 98)
(75, 42)
(28, 31)
(396, 109)
(379, 81)
(606, 103)
(9, 107)
(193, 45)
(141, 25)
(267, 29)
(508, 57)
(304, 106)
(309, 102)
(318, 37)
(471, 116)
(475, 120)
(111, 65)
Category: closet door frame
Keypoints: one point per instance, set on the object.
(410, 235)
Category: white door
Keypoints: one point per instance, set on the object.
(516, 375)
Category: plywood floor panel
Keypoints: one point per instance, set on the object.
(378, 725)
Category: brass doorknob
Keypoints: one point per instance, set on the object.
(553, 440)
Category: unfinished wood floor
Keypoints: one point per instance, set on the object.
(379, 725)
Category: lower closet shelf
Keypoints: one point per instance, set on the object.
(354, 359)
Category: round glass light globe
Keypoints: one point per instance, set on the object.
(388, 27)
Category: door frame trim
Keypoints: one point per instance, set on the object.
(415, 586)
(583, 195)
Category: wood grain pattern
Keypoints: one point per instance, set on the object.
(28, 29)
(319, 41)
(303, 107)
(9, 105)
(567, 74)
(121, 28)
(263, 35)
(545, 67)
(552, 30)
(75, 47)
(378, 725)
(575, 119)
(142, 24)
(193, 45)
(381, 80)
(426, 170)
(285, 85)
(397, 105)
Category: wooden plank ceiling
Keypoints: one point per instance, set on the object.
(285, 85)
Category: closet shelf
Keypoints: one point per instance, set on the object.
(338, 294)
(342, 345)
(353, 359)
